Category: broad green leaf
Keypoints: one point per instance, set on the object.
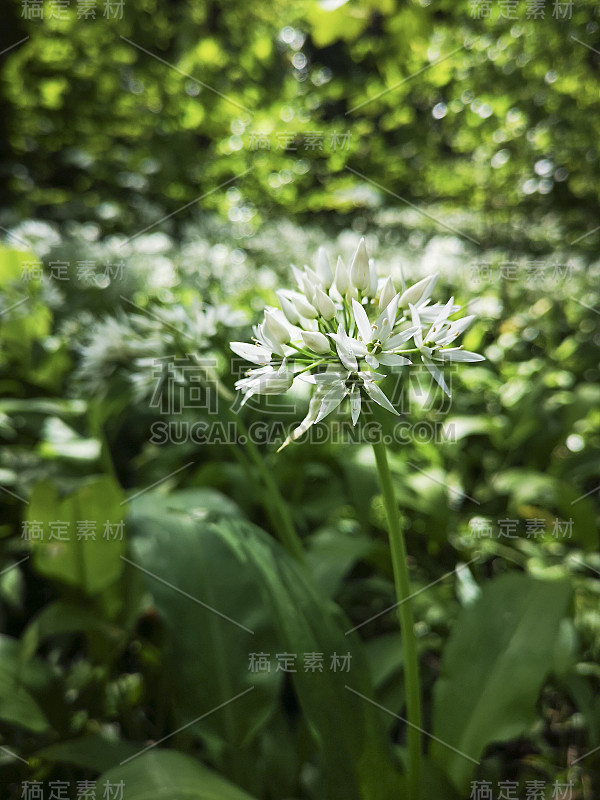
(89, 564)
(18, 686)
(386, 662)
(331, 555)
(93, 752)
(244, 574)
(198, 503)
(63, 617)
(493, 667)
(209, 651)
(169, 775)
(18, 706)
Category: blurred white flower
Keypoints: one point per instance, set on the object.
(338, 326)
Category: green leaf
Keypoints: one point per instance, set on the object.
(331, 555)
(87, 564)
(198, 503)
(169, 775)
(244, 574)
(386, 662)
(209, 650)
(18, 684)
(18, 707)
(493, 668)
(93, 752)
(62, 617)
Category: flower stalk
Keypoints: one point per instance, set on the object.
(407, 629)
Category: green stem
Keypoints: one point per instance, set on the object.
(409, 643)
(311, 366)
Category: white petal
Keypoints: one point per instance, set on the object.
(455, 329)
(372, 360)
(442, 317)
(343, 342)
(371, 376)
(362, 322)
(330, 377)
(331, 401)
(251, 352)
(272, 383)
(387, 319)
(308, 288)
(298, 276)
(378, 396)
(355, 404)
(417, 324)
(263, 334)
(393, 360)
(456, 354)
(429, 314)
(303, 307)
(436, 373)
(400, 338)
(356, 347)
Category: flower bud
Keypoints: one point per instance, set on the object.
(323, 269)
(288, 308)
(313, 277)
(341, 277)
(298, 276)
(275, 329)
(316, 342)
(324, 304)
(388, 292)
(420, 291)
(359, 269)
(372, 290)
(303, 307)
(308, 288)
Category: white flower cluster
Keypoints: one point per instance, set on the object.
(343, 330)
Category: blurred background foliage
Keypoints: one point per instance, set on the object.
(468, 115)
(187, 154)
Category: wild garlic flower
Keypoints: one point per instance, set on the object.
(344, 330)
